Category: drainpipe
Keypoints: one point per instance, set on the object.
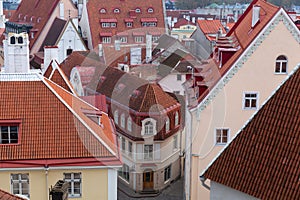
(46, 174)
(203, 179)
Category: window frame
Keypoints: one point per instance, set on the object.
(130, 148)
(167, 173)
(129, 124)
(116, 117)
(221, 136)
(71, 182)
(123, 144)
(11, 123)
(167, 124)
(251, 99)
(102, 10)
(139, 39)
(280, 61)
(147, 127)
(148, 151)
(20, 182)
(150, 10)
(176, 119)
(124, 173)
(116, 10)
(122, 121)
(175, 142)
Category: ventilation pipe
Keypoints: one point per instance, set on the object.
(255, 15)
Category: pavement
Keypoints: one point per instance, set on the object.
(172, 192)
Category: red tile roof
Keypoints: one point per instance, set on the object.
(210, 26)
(182, 22)
(126, 10)
(53, 124)
(263, 160)
(7, 196)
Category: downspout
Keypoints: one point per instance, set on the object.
(46, 174)
(203, 179)
(165, 16)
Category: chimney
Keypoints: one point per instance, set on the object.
(148, 48)
(50, 53)
(100, 47)
(255, 15)
(61, 10)
(2, 17)
(16, 53)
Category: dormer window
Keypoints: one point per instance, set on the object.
(167, 124)
(116, 117)
(20, 40)
(150, 10)
(13, 40)
(9, 134)
(38, 20)
(102, 10)
(123, 120)
(148, 127)
(129, 124)
(176, 119)
(138, 10)
(117, 10)
(31, 19)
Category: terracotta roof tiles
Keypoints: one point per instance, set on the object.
(263, 160)
(210, 26)
(7, 196)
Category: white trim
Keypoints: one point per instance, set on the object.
(78, 117)
(112, 179)
(257, 100)
(281, 15)
(61, 168)
(250, 119)
(215, 136)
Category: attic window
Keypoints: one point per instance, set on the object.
(9, 134)
(138, 10)
(150, 10)
(20, 40)
(31, 19)
(102, 10)
(38, 20)
(116, 10)
(13, 40)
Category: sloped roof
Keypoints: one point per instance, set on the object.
(53, 124)
(54, 33)
(126, 7)
(263, 160)
(210, 26)
(7, 196)
(182, 22)
(54, 73)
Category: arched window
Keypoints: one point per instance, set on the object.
(150, 10)
(123, 120)
(20, 40)
(176, 118)
(281, 64)
(129, 124)
(13, 40)
(149, 128)
(116, 10)
(167, 124)
(102, 10)
(116, 117)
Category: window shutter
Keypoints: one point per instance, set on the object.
(139, 151)
(157, 151)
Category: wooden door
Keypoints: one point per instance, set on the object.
(148, 180)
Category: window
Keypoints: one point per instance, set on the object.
(13, 40)
(178, 77)
(113, 24)
(138, 10)
(124, 172)
(281, 65)
(123, 144)
(129, 124)
(32, 35)
(148, 152)
(116, 10)
(74, 180)
(69, 51)
(139, 39)
(116, 117)
(175, 142)
(222, 136)
(176, 118)
(20, 184)
(149, 24)
(167, 173)
(150, 10)
(106, 39)
(250, 100)
(105, 24)
(129, 148)
(20, 40)
(167, 124)
(102, 10)
(155, 38)
(123, 39)
(149, 128)
(123, 120)
(8, 134)
(129, 24)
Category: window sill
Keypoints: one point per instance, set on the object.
(167, 181)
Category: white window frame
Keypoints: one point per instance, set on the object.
(129, 24)
(155, 37)
(9, 133)
(148, 151)
(123, 144)
(139, 39)
(167, 124)
(20, 183)
(176, 118)
(130, 148)
(105, 24)
(281, 62)
(71, 182)
(124, 173)
(221, 136)
(147, 127)
(106, 39)
(167, 173)
(122, 120)
(116, 116)
(129, 124)
(117, 10)
(102, 10)
(251, 99)
(138, 10)
(113, 24)
(150, 10)
(175, 142)
(123, 39)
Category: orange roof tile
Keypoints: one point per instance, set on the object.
(210, 26)
(7, 196)
(263, 160)
(52, 123)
